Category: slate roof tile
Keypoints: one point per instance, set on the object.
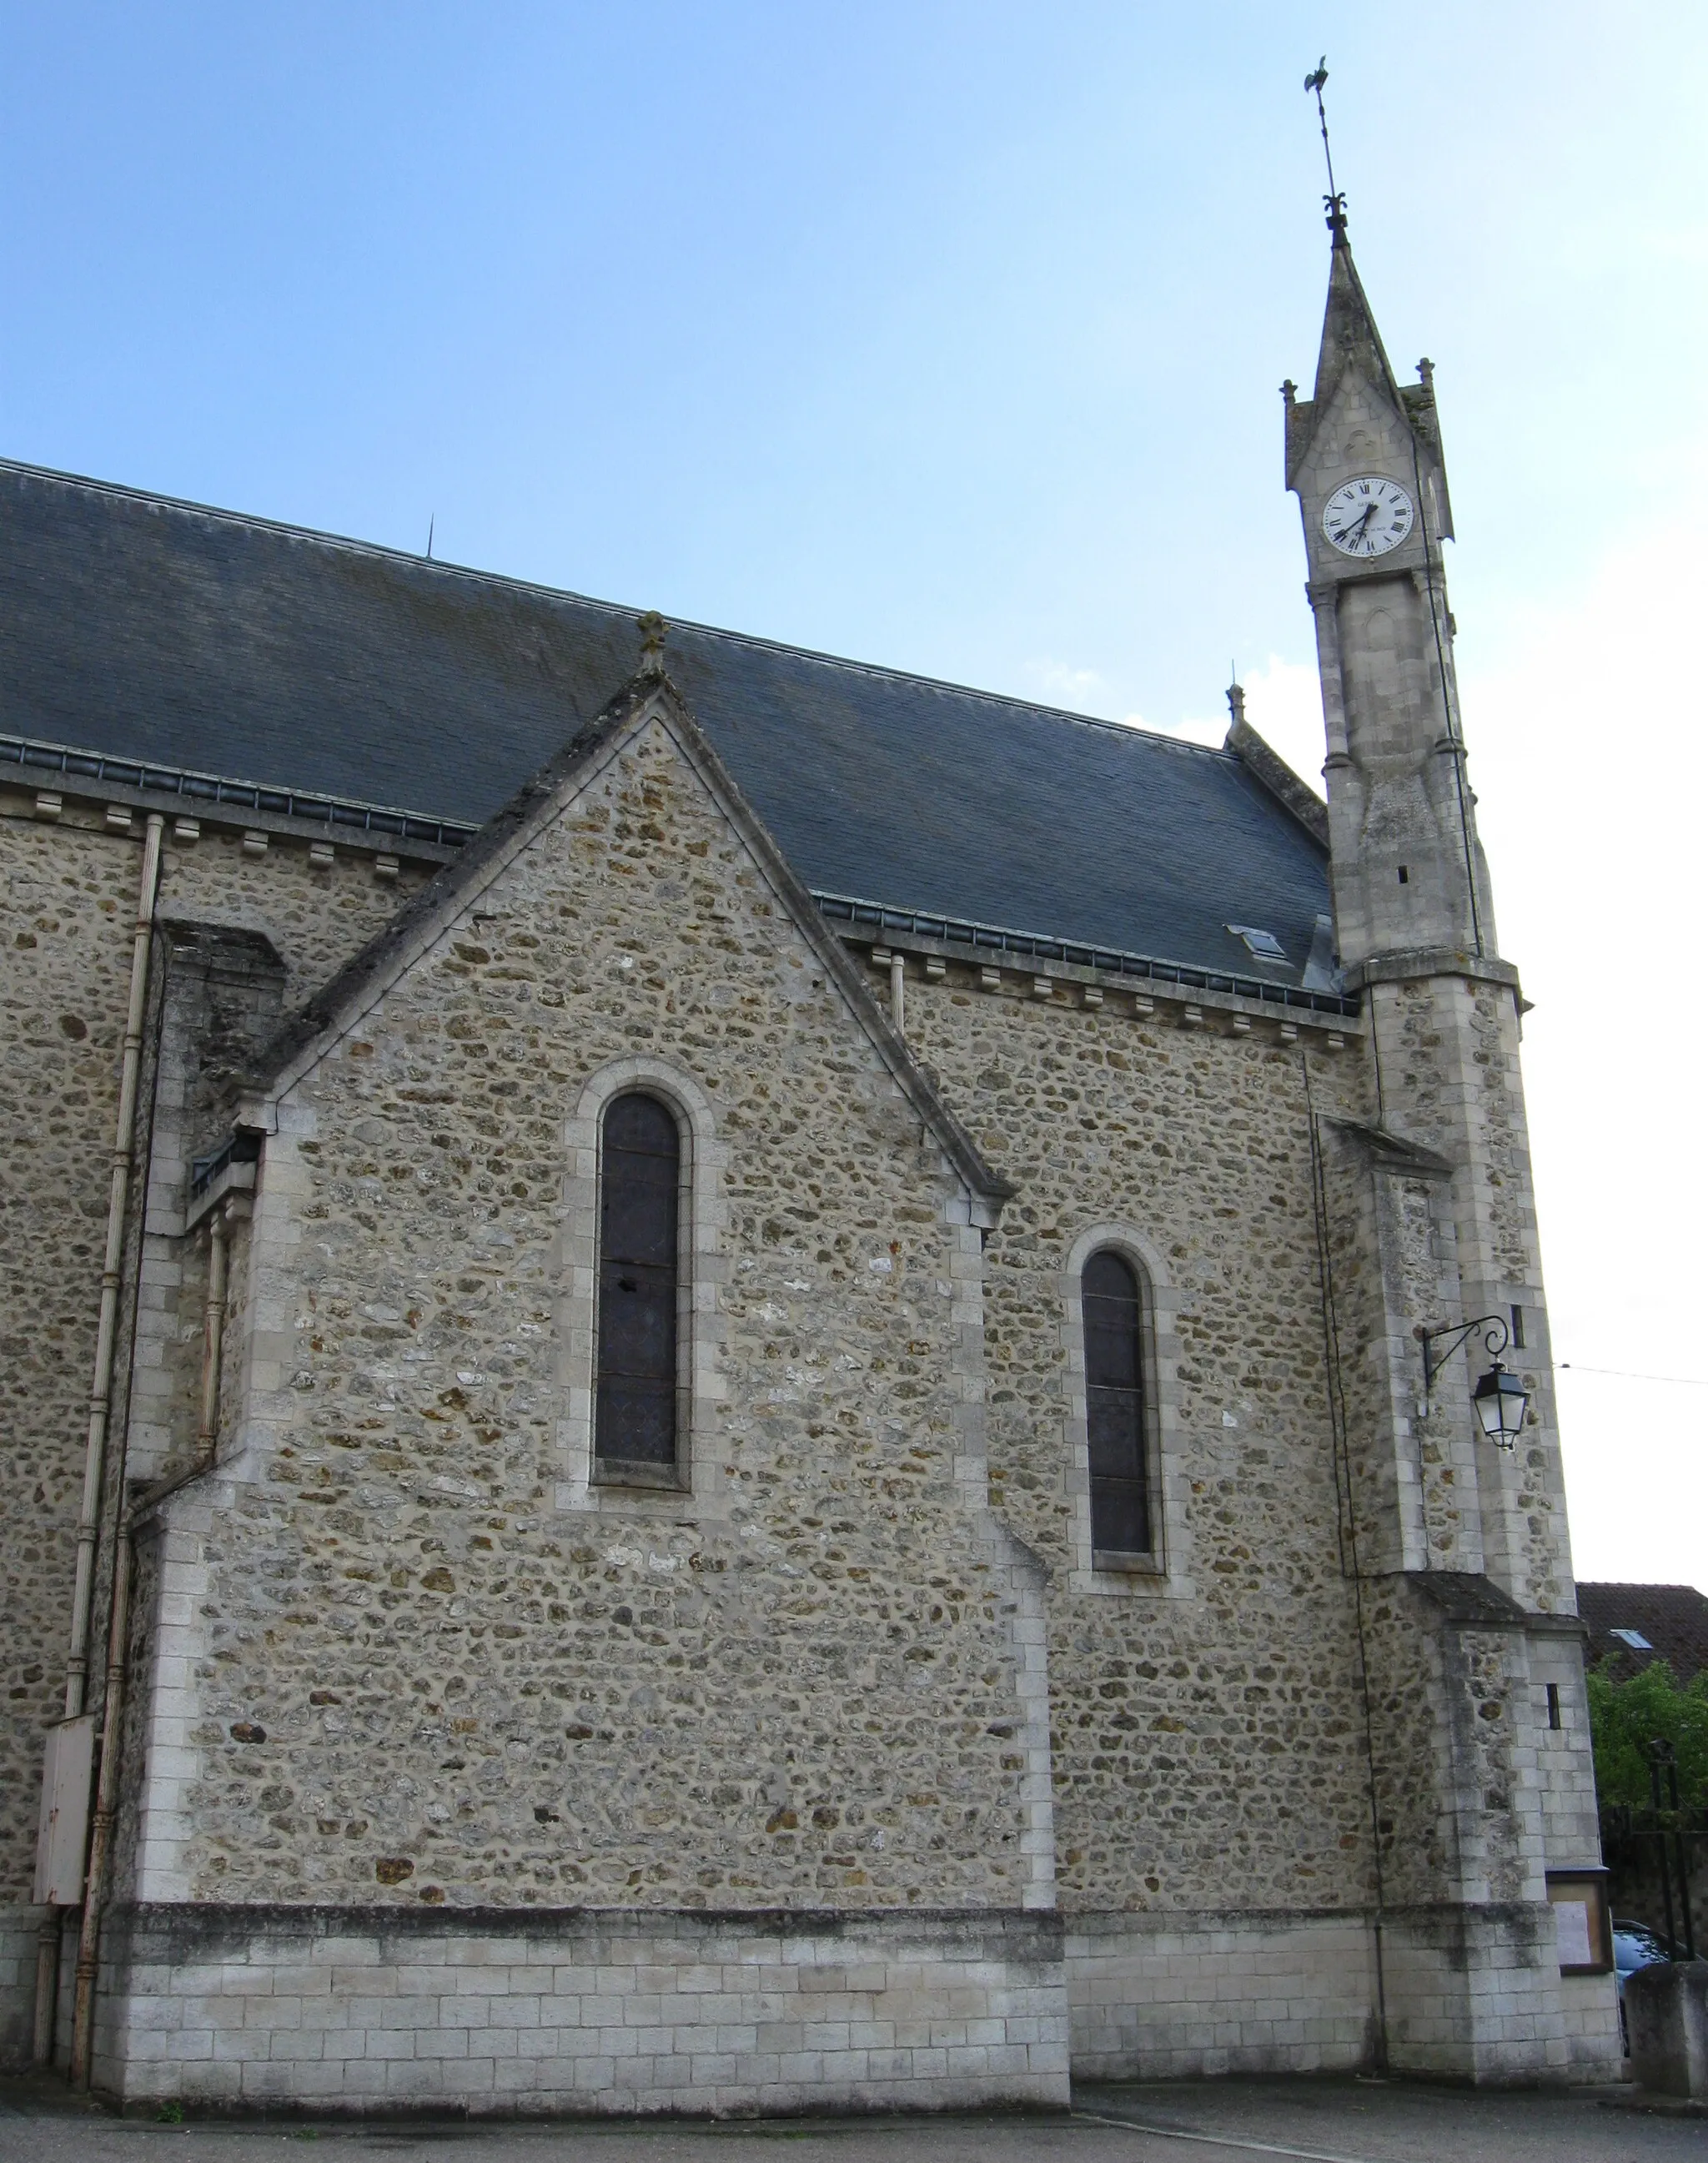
(139, 627)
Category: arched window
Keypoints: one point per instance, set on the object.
(636, 1419)
(1115, 1406)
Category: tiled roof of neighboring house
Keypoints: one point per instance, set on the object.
(1673, 1619)
(141, 628)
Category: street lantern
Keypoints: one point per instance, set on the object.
(1500, 1400)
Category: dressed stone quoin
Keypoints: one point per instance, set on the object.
(715, 1361)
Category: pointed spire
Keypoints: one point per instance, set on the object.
(1349, 335)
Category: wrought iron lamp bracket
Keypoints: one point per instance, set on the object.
(1497, 1337)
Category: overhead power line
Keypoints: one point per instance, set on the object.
(1625, 1374)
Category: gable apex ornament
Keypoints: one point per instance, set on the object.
(651, 628)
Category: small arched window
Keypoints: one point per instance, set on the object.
(636, 1416)
(1115, 1406)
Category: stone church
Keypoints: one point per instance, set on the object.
(732, 1382)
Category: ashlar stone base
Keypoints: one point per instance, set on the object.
(576, 2011)
(612, 2011)
(1471, 1993)
(1474, 1992)
(1667, 2009)
(20, 1929)
(1178, 1996)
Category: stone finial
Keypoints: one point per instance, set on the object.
(1426, 373)
(1236, 704)
(651, 628)
(1289, 390)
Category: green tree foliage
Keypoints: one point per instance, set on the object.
(1625, 1716)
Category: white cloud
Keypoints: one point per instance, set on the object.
(1060, 684)
(1589, 749)
(1283, 703)
(1089, 691)
(1190, 728)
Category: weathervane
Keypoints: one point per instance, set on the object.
(1334, 202)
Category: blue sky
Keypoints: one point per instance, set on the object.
(949, 336)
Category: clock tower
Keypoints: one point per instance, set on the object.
(1458, 1546)
(1364, 458)
(1415, 932)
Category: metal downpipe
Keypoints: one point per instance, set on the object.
(47, 1967)
(100, 1385)
(106, 1810)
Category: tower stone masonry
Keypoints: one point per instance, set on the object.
(1454, 1224)
(443, 1732)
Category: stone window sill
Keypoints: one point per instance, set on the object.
(1130, 1565)
(1131, 1577)
(673, 1501)
(647, 1478)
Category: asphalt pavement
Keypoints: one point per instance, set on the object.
(1316, 2121)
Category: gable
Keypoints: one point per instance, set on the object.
(635, 866)
(1358, 427)
(407, 1487)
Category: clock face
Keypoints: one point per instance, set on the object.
(1367, 516)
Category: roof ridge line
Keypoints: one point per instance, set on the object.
(616, 609)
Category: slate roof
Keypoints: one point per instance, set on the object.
(146, 629)
(1673, 1618)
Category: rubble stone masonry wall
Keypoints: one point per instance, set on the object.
(399, 1666)
(416, 1678)
(1207, 1731)
(1452, 1046)
(67, 892)
(68, 902)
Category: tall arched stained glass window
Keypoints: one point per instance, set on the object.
(1115, 1406)
(635, 1418)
